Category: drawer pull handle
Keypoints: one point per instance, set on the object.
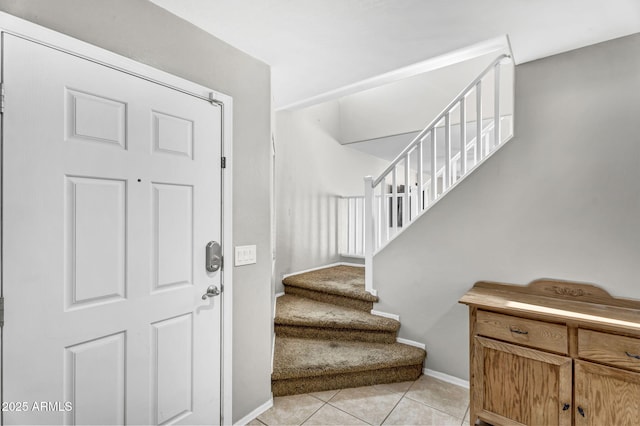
(566, 406)
(517, 330)
(581, 411)
(632, 355)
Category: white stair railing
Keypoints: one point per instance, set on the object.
(352, 210)
(380, 219)
(351, 226)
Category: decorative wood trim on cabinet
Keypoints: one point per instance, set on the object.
(538, 354)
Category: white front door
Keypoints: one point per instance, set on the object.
(111, 191)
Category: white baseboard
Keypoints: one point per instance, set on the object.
(255, 413)
(310, 270)
(279, 294)
(273, 350)
(352, 256)
(411, 343)
(385, 314)
(446, 378)
(357, 265)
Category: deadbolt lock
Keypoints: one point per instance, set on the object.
(213, 256)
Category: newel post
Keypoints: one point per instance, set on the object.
(369, 234)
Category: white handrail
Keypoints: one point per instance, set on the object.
(435, 121)
(407, 206)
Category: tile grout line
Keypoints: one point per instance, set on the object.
(312, 414)
(394, 407)
(402, 394)
(350, 414)
(435, 408)
(398, 403)
(465, 415)
(319, 408)
(346, 412)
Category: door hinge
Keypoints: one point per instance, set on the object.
(1, 312)
(1, 98)
(223, 162)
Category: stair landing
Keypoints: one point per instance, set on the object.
(339, 285)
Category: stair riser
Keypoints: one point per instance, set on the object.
(335, 334)
(330, 298)
(296, 386)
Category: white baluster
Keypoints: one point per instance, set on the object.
(406, 216)
(351, 232)
(368, 233)
(394, 201)
(419, 196)
(434, 168)
(359, 226)
(446, 182)
(479, 151)
(384, 217)
(496, 106)
(463, 136)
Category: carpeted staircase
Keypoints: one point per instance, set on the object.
(327, 339)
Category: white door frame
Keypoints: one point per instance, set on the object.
(39, 34)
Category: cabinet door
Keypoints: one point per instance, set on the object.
(513, 385)
(606, 395)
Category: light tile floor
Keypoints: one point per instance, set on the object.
(426, 401)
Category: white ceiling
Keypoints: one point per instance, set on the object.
(316, 46)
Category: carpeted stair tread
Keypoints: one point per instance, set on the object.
(326, 337)
(334, 299)
(299, 311)
(307, 358)
(295, 386)
(345, 281)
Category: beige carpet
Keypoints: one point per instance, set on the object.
(327, 339)
(339, 285)
(307, 357)
(306, 365)
(302, 317)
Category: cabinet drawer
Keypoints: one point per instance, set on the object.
(619, 351)
(537, 334)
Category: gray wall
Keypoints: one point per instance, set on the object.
(142, 31)
(561, 200)
(409, 104)
(312, 171)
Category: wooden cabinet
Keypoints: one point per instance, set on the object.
(553, 353)
(606, 395)
(521, 384)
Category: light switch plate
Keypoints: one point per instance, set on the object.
(245, 255)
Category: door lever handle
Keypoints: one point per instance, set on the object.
(212, 291)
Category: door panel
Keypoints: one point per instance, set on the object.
(172, 235)
(519, 385)
(101, 404)
(606, 395)
(95, 238)
(172, 377)
(111, 191)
